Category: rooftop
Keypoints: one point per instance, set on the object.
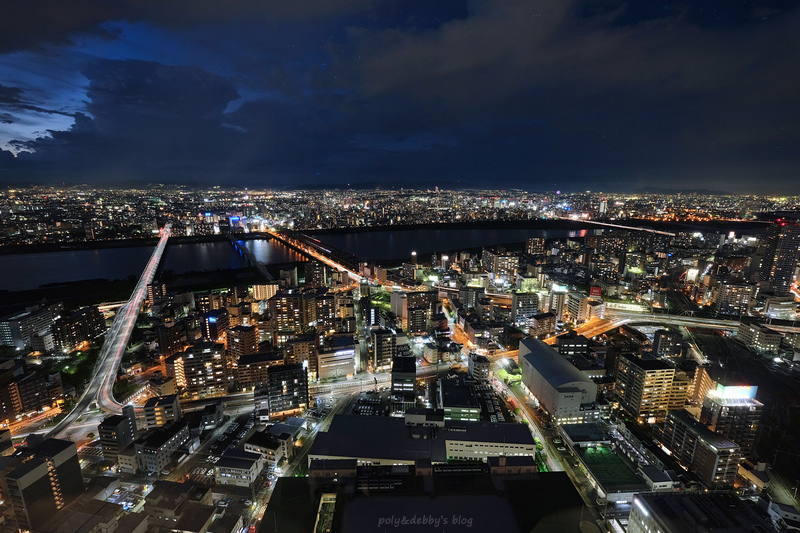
(550, 364)
(389, 437)
(609, 469)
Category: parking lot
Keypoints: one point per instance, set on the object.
(493, 407)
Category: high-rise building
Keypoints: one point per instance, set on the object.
(469, 295)
(523, 306)
(215, 323)
(171, 339)
(36, 482)
(384, 348)
(286, 390)
(500, 262)
(558, 301)
(156, 291)
(201, 368)
(287, 309)
(162, 410)
(117, 432)
(242, 340)
(534, 246)
(265, 291)
(734, 413)
(404, 380)
(667, 343)
(644, 387)
(578, 307)
(780, 256)
(252, 369)
(29, 393)
(542, 325)
(734, 298)
(316, 273)
(417, 320)
(18, 329)
(301, 349)
(712, 457)
(82, 325)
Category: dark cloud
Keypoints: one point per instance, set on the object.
(29, 24)
(571, 95)
(34, 23)
(9, 95)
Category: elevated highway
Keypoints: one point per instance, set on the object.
(101, 384)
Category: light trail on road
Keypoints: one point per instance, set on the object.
(101, 384)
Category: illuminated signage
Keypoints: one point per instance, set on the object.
(736, 392)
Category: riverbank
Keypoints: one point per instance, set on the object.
(120, 243)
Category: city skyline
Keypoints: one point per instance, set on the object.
(583, 95)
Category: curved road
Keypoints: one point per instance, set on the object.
(101, 384)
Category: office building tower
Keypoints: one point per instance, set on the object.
(780, 257)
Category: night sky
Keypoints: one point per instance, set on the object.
(542, 95)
